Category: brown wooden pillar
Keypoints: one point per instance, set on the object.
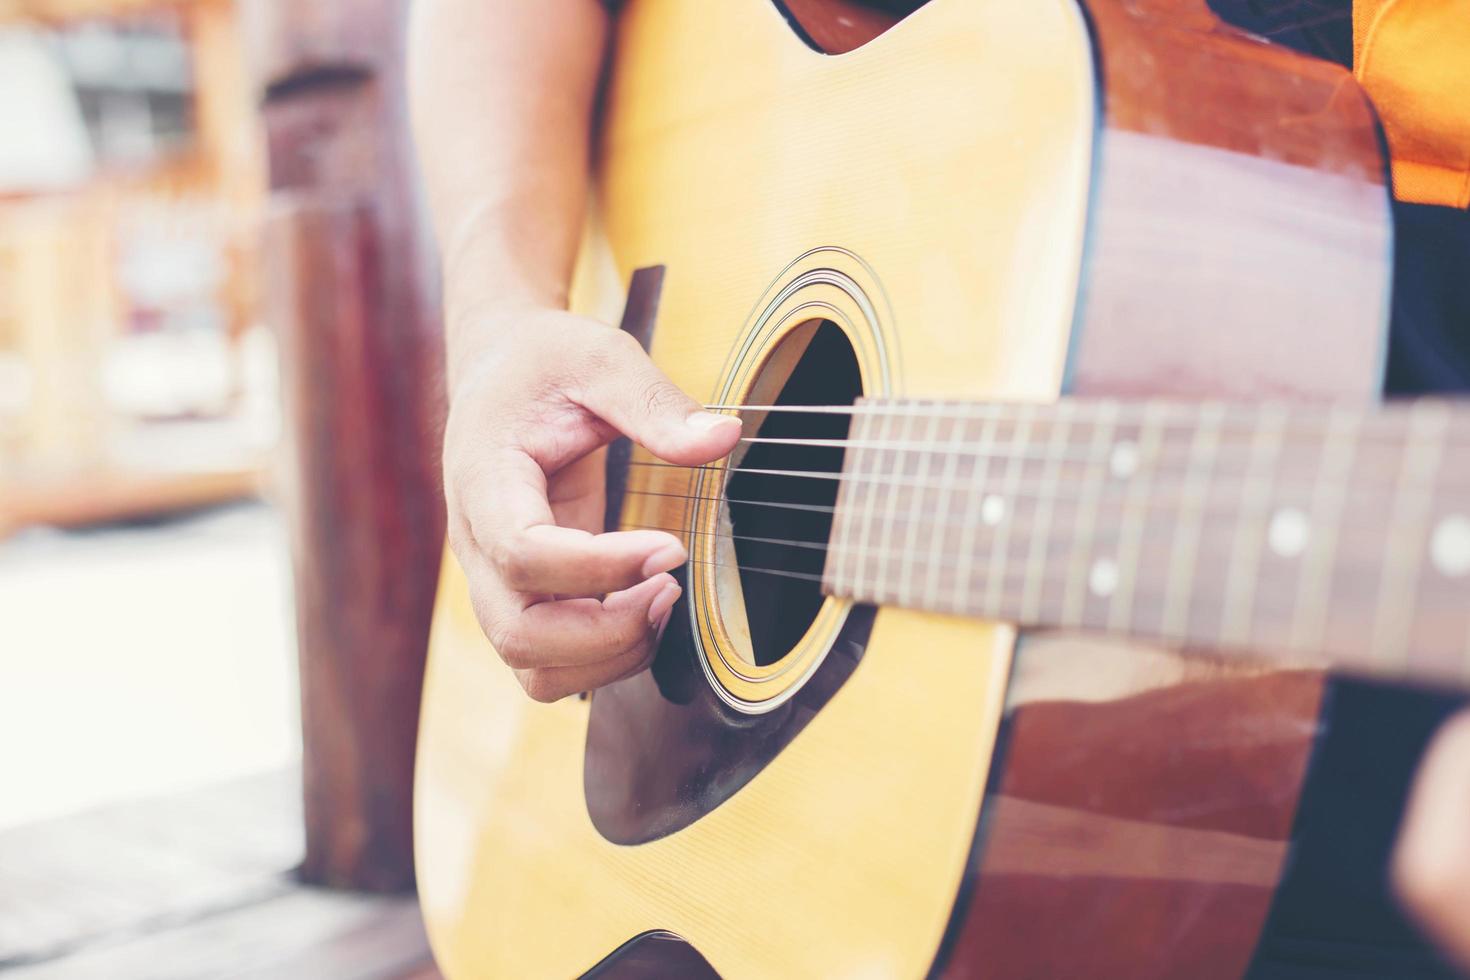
(349, 284)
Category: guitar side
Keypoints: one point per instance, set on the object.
(854, 851)
(1143, 803)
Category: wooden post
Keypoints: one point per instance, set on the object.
(348, 282)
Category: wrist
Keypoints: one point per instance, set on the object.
(478, 333)
(493, 261)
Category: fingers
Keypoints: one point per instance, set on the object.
(509, 524)
(521, 472)
(570, 632)
(632, 394)
(548, 684)
(1431, 865)
(567, 646)
(577, 493)
(564, 561)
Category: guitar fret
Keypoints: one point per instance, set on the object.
(887, 550)
(1413, 499)
(1081, 561)
(1245, 552)
(1202, 525)
(861, 555)
(841, 557)
(1130, 538)
(970, 521)
(1056, 444)
(1183, 556)
(949, 480)
(916, 511)
(1309, 625)
(1000, 543)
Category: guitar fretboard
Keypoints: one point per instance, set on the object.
(1338, 532)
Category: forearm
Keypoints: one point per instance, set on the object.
(502, 96)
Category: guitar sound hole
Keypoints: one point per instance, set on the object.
(781, 522)
(666, 746)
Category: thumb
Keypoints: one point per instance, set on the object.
(639, 400)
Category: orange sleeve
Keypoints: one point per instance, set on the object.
(1413, 58)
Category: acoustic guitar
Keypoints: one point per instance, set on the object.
(1056, 332)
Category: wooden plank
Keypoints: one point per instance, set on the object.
(366, 525)
(349, 286)
(89, 879)
(301, 933)
(194, 885)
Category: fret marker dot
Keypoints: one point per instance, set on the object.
(1103, 578)
(1449, 549)
(992, 510)
(1287, 534)
(1124, 461)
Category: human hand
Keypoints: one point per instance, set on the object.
(1431, 865)
(567, 606)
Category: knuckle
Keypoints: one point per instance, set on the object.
(622, 345)
(461, 543)
(659, 397)
(624, 634)
(514, 561)
(540, 687)
(513, 646)
(641, 657)
(631, 662)
(606, 351)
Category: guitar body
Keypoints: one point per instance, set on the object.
(995, 199)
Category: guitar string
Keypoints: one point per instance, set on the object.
(778, 505)
(1235, 414)
(1146, 600)
(1104, 495)
(918, 527)
(1178, 495)
(1001, 452)
(1247, 429)
(1297, 418)
(1362, 486)
(1035, 450)
(883, 553)
(1394, 435)
(762, 571)
(1036, 491)
(1141, 600)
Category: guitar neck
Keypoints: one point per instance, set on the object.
(1301, 532)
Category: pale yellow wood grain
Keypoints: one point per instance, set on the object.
(952, 155)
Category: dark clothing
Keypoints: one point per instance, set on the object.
(1334, 915)
(1429, 335)
(1429, 328)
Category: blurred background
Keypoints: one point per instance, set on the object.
(212, 268)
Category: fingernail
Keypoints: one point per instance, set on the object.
(704, 421)
(662, 605)
(666, 558)
(663, 624)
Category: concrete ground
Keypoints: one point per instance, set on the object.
(140, 661)
(150, 801)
